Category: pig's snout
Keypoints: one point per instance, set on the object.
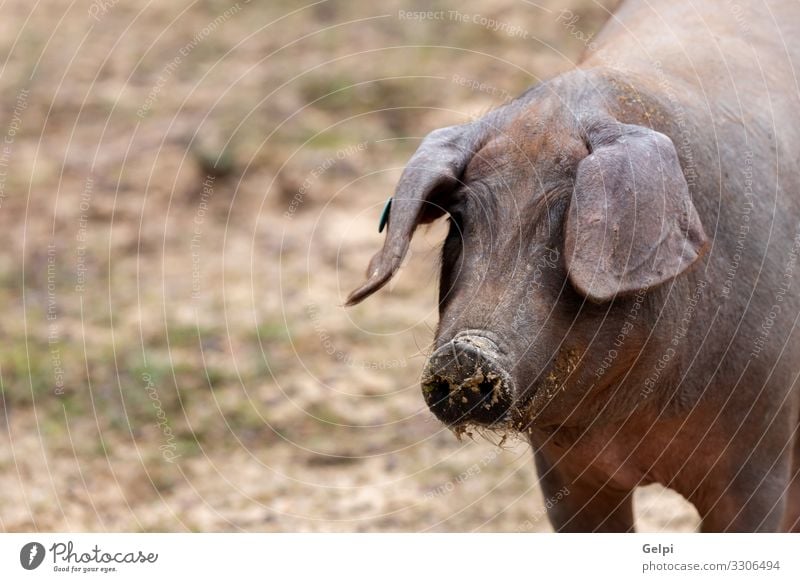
(465, 382)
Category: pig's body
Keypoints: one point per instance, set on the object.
(682, 373)
(724, 431)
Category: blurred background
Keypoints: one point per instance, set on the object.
(188, 190)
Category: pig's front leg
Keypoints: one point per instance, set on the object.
(747, 485)
(755, 500)
(582, 504)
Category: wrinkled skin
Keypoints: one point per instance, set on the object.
(597, 293)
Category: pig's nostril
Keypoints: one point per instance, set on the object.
(436, 390)
(479, 398)
(487, 391)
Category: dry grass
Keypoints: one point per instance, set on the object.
(176, 357)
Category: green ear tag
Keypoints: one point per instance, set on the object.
(385, 215)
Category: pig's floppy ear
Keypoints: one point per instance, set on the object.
(631, 222)
(432, 171)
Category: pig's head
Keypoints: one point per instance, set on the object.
(557, 221)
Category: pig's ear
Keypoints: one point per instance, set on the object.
(631, 222)
(432, 172)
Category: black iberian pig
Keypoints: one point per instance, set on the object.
(619, 281)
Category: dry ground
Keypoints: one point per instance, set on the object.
(189, 191)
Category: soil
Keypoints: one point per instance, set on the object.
(190, 191)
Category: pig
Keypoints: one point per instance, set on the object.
(618, 283)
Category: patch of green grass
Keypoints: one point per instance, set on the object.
(329, 93)
(28, 373)
(271, 331)
(323, 413)
(180, 335)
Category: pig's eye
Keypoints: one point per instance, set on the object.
(456, 209)
(451, 250)
(456, 218)
(458, 227)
